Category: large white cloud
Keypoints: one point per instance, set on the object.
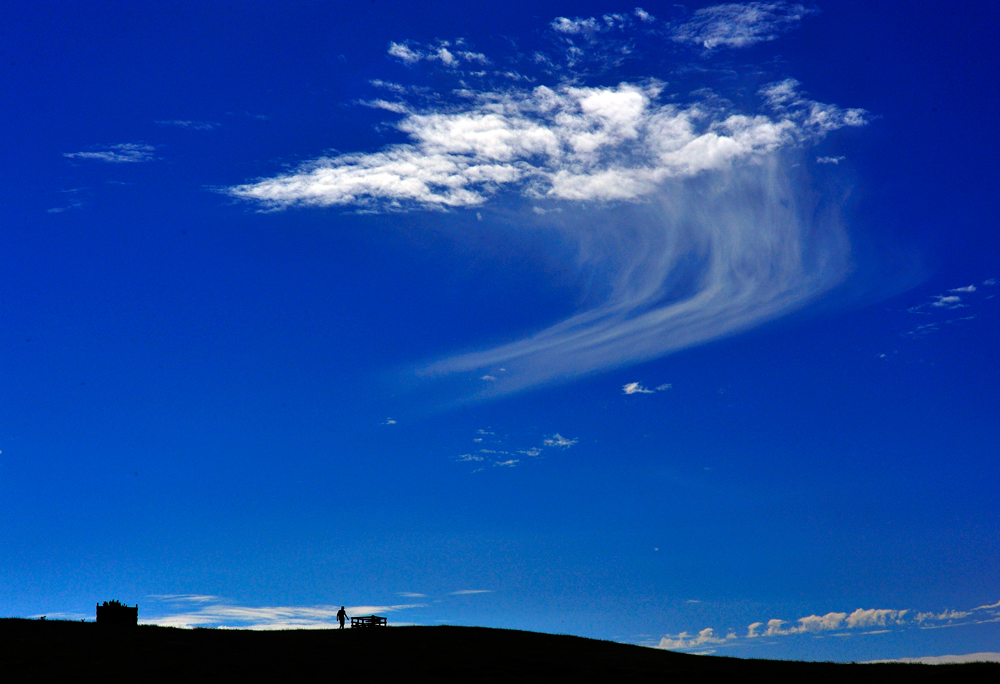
(713, 229)
(566, 143)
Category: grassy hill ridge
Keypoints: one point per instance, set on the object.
(52, 650)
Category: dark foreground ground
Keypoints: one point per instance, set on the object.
(47, 651)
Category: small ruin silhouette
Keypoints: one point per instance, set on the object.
(114, 613)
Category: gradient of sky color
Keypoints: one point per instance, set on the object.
(674, 324)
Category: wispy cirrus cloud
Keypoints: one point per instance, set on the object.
(123, 153)
(190, 125)
(942, 310)
(720, 235)
(739, 25)
(498, 455)
(639, 388)
(189, 610)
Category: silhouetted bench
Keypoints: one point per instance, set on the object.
(368, 621)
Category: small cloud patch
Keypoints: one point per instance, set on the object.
(124, 153)
(639, 388)
(558, 440)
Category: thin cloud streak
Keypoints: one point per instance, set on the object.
(124, 153)
(212, 614)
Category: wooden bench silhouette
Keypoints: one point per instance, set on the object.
(368, 621)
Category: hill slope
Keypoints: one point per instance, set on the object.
(37, 651)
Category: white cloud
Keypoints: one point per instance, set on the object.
(467, 592)
(967, 288)
(191, 125)
(946, 300)
(685, 640)
(475, 57)
(123, 153)
(944, 615)
(59, 210)
(875, 617)
(268, 617)
(404, 53)
(533, 451)
(867, 621)
(830, 160)
(396, 107)
(488, 378)
(859, 619)
(570, 143)
(452, 58)
(986, 657)
(389, 421)
(186, 598)
(410, 594)
(469, 457)
(558, 440)
(389, 85)
(740, 25)
(576, 26)
(990, 281)
(696, 179)
(638, 388)
(510, 463)
(643, 15)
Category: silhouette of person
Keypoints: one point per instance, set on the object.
(341, 615)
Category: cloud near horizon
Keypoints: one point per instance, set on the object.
(882, 619)
(212, 611)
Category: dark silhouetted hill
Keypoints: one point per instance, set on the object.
(58, 651)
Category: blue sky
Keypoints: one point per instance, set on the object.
(673, 325)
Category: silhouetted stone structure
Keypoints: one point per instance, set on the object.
(368, 621)
(114, 613)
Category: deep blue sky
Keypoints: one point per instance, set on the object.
(247, 320)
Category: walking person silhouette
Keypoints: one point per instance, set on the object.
(341, 615)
